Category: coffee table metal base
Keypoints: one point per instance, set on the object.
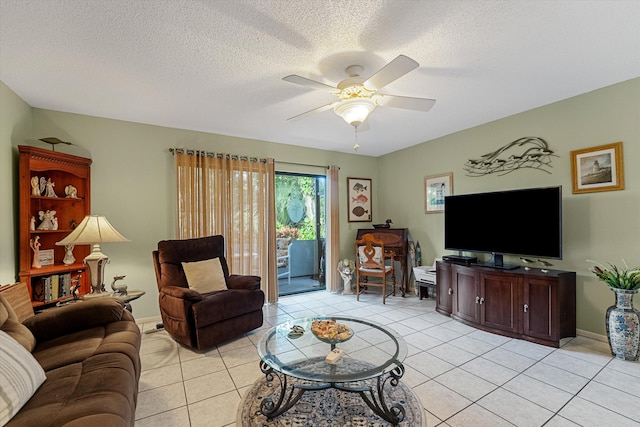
(373, 396)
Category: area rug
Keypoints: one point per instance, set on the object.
(326, 408)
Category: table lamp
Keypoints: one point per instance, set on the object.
(93, 230)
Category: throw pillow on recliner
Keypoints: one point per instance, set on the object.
(205, 276)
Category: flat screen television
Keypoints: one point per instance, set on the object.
(526, 222)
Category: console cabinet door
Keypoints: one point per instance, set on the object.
(444, 290)
(500, 296)
(466, 294)
(538, 307)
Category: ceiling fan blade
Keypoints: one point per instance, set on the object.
(299, 80)
(406, 102)
(315, 110)
(395, 69)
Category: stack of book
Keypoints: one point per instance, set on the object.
(50, 288)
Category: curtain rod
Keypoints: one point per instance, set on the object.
(211, 154)
(303, 164)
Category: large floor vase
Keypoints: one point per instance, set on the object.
(623, 326)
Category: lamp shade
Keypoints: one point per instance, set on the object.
(355, 110)
(93, 229)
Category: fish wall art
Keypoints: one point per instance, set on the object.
(530, 152)
(359, 199)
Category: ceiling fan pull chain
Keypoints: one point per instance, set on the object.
(356, 145)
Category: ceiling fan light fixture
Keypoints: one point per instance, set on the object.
(355, 110)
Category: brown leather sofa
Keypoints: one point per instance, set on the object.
(90, 353)
(197, 320)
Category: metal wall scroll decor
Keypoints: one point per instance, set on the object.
(530, 152)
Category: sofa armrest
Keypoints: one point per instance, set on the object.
(71, 318)
(238, 281)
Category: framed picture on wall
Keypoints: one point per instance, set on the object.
(359, 199)
(597, 169)
(436, 188)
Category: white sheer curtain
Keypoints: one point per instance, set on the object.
(234, 197)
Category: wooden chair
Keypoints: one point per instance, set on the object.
(371, 262)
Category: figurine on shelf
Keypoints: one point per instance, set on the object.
(35, 186)
(71, 192)
(32, 224)
(75, 285)
(35, 246)
(68, 255)
(49, 191)
(47, 219)
(119, 289)
(387, 224)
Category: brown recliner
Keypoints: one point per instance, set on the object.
(199, 320)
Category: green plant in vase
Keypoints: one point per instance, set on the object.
(618, 278)
(622, 319)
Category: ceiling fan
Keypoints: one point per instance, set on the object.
(358, 96)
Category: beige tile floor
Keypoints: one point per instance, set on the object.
(463, 377)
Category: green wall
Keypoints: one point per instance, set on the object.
(602, 226)
(15, 128)
(132, 182)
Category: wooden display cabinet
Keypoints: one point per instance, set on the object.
(63, 170)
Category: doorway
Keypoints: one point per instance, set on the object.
(300, 232)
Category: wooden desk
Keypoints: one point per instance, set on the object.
(395, 240)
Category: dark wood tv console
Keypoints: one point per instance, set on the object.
(532, 305)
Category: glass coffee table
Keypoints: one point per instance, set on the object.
(372, 360)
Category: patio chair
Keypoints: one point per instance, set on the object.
(282, 257)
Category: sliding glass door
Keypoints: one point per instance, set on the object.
(300, 232)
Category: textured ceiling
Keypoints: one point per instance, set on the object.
(217, 66)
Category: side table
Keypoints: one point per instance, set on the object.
(127, 298)
(424, 289)
(425, 279)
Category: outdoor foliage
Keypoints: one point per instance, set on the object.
(291, 187)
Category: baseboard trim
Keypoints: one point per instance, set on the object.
(592, 335)
(154, 319)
